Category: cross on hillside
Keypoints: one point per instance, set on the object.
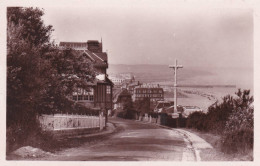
(175, 67)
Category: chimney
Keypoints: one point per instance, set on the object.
(94, 46)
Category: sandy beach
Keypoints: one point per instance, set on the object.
(202, 97)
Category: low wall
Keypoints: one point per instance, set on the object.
(61, 122)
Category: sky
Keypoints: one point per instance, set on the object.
(159, 33)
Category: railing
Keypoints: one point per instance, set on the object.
(67, 122)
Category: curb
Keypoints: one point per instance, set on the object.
(111, 128)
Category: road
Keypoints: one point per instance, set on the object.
(135, 141)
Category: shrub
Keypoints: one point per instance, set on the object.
(196, 120)
(233, 118)
(239, 129)
(238, 141)
(130, 114)
(153, 114)
(218, 114)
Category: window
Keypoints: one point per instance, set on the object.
(85, 97)
(160, 91)
(108, 89)
(91, 97)
(144, 91)
(80, 97)
(75, 98)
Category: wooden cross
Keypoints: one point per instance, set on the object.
(175, 67)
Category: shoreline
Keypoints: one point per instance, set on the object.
(201, 97)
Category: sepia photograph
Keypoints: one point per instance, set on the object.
(129, 81)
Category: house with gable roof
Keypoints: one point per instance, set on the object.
(99, 95)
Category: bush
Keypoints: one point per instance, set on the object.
(239, 130)
(196, 120)
(238, 141)
(130, 114)
(153, 114)
(218, 114)
(126, 114)
(17, 137)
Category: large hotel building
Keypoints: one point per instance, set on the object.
(154, 93)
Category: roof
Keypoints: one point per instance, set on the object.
(123, 93)
(106, 81)
(98, 59)
(102, 55)
(137, 83)
(92, 41)
(65, 43)
(97, 81)
(74, 45)
(82, 47)
(148, 88)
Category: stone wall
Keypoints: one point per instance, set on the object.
(68, 122)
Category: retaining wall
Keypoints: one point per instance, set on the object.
(64, 125)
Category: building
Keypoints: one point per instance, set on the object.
(163, 104)
(131, 87)
(187, 110)
(120, 79)
(154, 93)
(99, 93)
(123, 97)
(117, 80)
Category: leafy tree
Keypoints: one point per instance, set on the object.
(39, 75)
(32, 28)
(143, 106)
(25, 67)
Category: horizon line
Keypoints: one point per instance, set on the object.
(252, 67)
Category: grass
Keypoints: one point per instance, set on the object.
(216, 154)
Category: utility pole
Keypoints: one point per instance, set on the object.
(175, 67)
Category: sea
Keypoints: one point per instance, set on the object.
(215, 81)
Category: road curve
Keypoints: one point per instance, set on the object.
(135, 141)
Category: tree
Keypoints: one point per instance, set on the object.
(25, 69)
(143, 106)
(39, 75)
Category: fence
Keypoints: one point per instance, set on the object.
(67, 122)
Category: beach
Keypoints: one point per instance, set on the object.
(202, 97)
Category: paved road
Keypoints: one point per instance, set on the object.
(134, 141)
